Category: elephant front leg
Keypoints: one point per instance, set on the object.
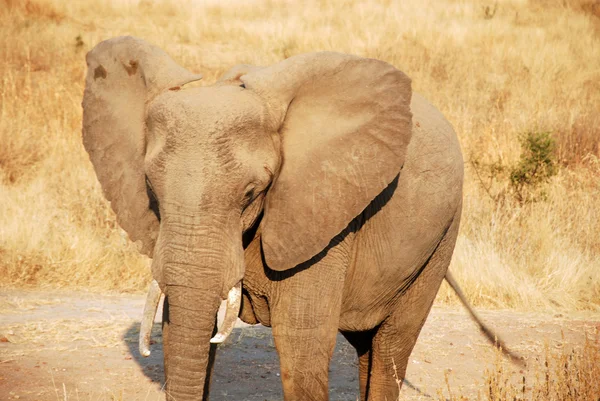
(304, 357)
(305, 317)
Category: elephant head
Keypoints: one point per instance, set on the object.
(299, 148)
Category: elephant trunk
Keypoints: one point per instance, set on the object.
(188, 324)
(193, 268)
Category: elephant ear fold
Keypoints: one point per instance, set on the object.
(346, 127)
(124, 75)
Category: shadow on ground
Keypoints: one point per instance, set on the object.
(247, 366)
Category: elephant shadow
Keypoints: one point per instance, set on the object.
(247, 366)
(152, 366)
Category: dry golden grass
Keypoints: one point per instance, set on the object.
(496, 70)
(568, 374)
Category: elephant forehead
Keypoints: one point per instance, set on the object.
(209, 115)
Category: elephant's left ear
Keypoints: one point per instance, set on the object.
(345, 124)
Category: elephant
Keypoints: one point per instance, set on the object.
(317, 195)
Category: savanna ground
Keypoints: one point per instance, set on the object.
(63, 346)
(519, 80)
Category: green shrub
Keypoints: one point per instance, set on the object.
(536, 166)
(524, 181)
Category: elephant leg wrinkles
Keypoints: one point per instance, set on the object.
(305, 327)
(396, 337)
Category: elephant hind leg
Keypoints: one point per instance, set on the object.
(396, 337)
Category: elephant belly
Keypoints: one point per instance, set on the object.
(405, 223)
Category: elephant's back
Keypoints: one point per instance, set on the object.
(404, 224)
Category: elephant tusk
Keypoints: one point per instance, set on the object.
(152, 300)
(234, 301)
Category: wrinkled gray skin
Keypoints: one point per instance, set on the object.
(322, 182)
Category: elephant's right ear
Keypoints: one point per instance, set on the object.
(124, 75)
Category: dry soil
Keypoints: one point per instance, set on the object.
(83, 346)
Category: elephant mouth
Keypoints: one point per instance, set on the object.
(234, 301)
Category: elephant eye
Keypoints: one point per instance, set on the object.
(249, 194)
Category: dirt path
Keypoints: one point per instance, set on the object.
(81, 346)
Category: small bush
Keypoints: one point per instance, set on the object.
(523, 181)
(535, 167)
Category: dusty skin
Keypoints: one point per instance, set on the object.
(495, 72)
(286, 178)
(83, 346)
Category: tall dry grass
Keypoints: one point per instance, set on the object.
(565, 374)
(496, 69)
